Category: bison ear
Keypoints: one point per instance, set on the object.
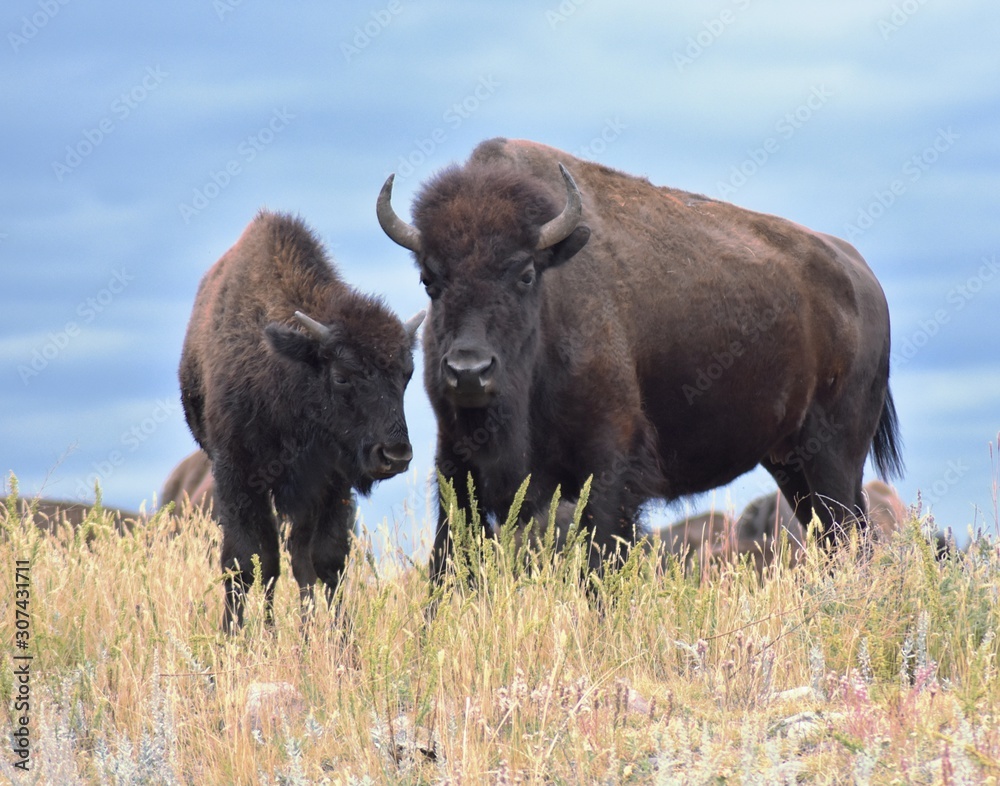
(566, 249)
(293, 344)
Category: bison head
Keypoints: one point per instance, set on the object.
(484, 236)
(348, 379)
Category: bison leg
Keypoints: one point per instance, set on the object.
(443, 542)
(332, 541)
(794, 488)
(824, 469)
(300, 546)
(319, 544)
(248, 528)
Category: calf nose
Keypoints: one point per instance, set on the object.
(468, 370)
(389, 460)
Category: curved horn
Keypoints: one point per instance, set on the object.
(413, 323)
(317, 330)
(560, 227)
(406, 235)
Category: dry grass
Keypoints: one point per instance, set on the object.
(842, 672)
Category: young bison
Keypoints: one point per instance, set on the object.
(293, 384)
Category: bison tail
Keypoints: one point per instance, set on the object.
(887, 443)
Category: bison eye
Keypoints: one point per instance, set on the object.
(340, 382)
(527, 276)
(433, 289)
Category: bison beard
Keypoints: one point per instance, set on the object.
(293, 385)
(593, 334)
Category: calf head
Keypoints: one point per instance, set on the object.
(484, 236)
(354, 372)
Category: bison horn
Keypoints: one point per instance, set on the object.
(560, 227)
(406, 235)
(413, 323)
(317, 330)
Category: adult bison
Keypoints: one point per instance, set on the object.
(293, 384)
(190, 485)
(661, 341)
(714, 536)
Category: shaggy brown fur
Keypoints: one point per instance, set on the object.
(668, 345)
(293, 417)
(190, 485)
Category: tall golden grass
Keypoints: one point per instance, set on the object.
(841, 670)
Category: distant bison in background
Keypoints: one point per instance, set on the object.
(886, 511)
(190, 485)
(49, 514)
(585, 322)
(292, 382)
(714, 536)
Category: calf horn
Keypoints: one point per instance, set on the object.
(560, 227)
(317, 330)
(413, 323)
(406, 235)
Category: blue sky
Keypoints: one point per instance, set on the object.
(141, 139)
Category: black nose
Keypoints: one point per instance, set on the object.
(389, 460)
(469, 371)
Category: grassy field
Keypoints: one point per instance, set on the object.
(836, 671)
